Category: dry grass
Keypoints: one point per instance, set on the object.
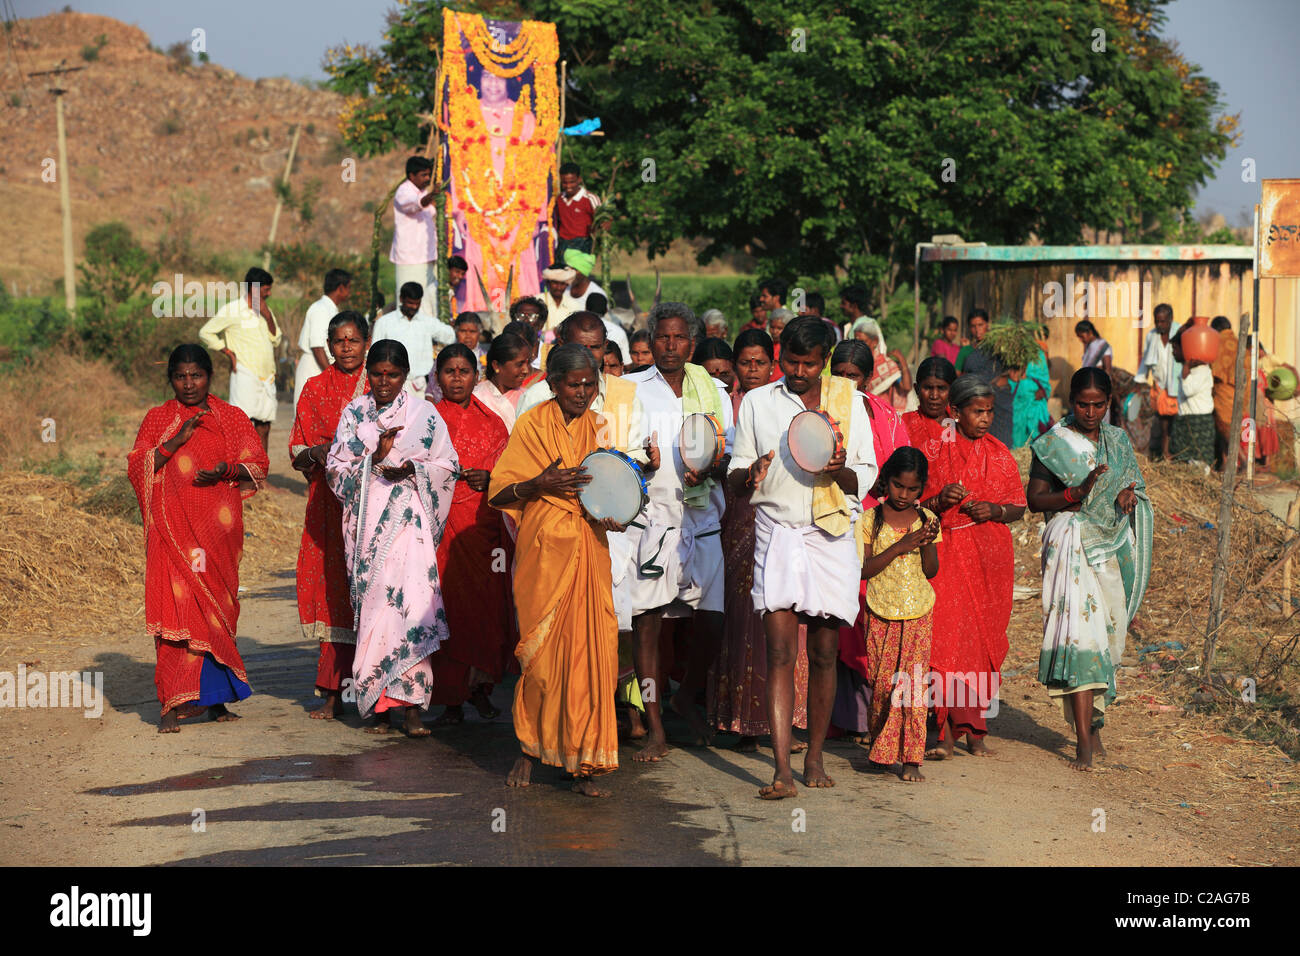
(84, 401)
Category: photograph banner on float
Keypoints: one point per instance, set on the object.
(499, 118)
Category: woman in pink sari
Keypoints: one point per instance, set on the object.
(393, 468)
(851, 715)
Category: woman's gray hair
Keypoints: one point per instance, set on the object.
(966, 389)
(674, 310)
(714, 319)
(563, 359)
(782, 315)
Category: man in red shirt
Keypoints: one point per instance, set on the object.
(573, 213)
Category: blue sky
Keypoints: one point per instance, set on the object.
(1247, 46)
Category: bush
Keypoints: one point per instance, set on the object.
(116, 267)
(180, 54)
(305, 264)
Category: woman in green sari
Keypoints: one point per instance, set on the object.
(1096, 555)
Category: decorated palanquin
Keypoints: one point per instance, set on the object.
(499, 118)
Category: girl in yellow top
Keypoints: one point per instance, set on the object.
(900, 559)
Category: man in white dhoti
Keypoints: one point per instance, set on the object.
(806, 565)
(677, 568)
(246, 332)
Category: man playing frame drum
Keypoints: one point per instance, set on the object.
(806, 567)
(677, 567)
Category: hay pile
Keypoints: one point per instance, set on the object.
(72, 562)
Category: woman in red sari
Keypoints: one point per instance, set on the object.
(851, 715)
(196, 458)
(475, 555)
(324, 597)
(974, 487)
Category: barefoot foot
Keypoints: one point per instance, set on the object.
(779, 789)
(587, 787)
(747, 745)
(652, 751)
(219, 713)
(451, 715)
(413, 726)
(977, 747)
(378, 724)
(332, 708)
(483, 704)
(701, 736)
(1097, 749)
(170, 723)
(911, 773)
(521, 773)
(814, 774)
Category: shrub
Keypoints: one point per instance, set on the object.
(116, 267)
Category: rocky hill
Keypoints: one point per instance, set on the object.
(185, 152)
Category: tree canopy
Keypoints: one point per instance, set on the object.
(829, 136)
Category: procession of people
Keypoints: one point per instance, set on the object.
(821, 540)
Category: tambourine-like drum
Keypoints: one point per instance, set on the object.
(1132, 407)
(814, 439)
(701, 441)
(617, 488)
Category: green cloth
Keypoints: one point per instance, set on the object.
(1105, 529)
(584, 262)
(961, 356)
(699, 394)
(1030, 416)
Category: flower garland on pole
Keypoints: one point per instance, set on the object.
(500, 210)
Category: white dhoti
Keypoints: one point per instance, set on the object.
(620, 562)
(253, 396)
(678, 569)
(805, 569)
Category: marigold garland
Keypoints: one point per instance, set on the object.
(500, 213)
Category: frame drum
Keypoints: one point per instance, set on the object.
(701, 441)
(617, 488)
(814, 438)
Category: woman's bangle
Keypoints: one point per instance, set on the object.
(1002, 513)
(162, 450)
(231, 473)
(1070, 498)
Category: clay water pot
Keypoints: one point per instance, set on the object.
(1200, 342)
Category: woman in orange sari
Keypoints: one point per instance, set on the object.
(196, 458)
(568, 643)
(324, 601)
(974, 487)
(475, 554)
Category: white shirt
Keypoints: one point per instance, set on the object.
(614, 333)
(540, 392)
(315, 327)
(1196, 392)
(663, 418)
(578, 303)
(415, 236)
(1158, 360)
(418, 335)
(786, 492)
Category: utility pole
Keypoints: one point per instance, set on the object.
(279, 200)
(65, 196)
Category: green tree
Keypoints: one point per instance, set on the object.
(116, 268)
(832, 135)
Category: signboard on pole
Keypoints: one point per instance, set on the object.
(1279, 229)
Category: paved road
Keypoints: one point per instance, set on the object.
(279, 788)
